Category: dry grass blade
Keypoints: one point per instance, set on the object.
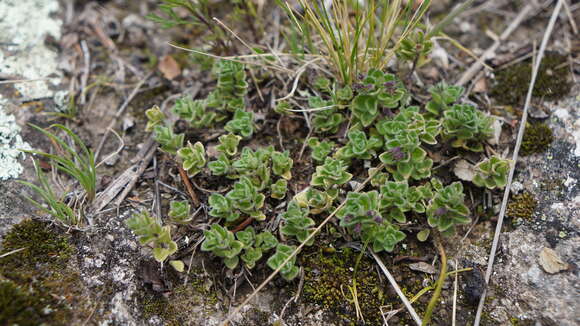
(521, 130)
(295, 252)
(400, 293)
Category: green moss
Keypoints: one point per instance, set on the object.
(537, 137)
(552, 83)
(42, 246)
(41, 269)
(18, 307)
(522, 206)
(329, 276)
(182, 304)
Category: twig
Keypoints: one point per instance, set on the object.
(188, 186)
(395, 286)
(243, 225)
(455, 286)
(520, 136)
(119, 112)
(6, 254)
(477, 65)
(439, 285)
(295, 252)
(86, 71)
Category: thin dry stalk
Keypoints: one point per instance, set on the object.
(520, 136)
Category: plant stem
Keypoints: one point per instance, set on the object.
(439, 284)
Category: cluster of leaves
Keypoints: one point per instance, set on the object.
(150, 232)
(492, 173)
(223, 243)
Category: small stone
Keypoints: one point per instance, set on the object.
(422, 267)
(551, 261)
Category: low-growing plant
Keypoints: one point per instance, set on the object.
(179, 212)
(360, 146)
(151, 232)
(467, 127)
(442, 95)
(416, 46)
(222, 243)
(447, 209)
(397, 198)
(221, 166)
(320, 149)
(297, 223)
(229, 144)
(169, 142)
(362, 217)
(326, 117)
(278, 189)
(289, 271)
(255, 245)
(241, 124)
(492, 173)
(332, 173)
(317, 201)
(193, 158)
(231, 87)
(282, 164)
(245, 198)
(194, 112)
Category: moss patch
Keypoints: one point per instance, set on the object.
(537, 137)
(511, 84)
(328, 277)
(37, 281)
(522, 206)
(184, 305)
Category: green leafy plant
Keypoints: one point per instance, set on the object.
(320, 149)
(179, 212)
(318, 201)
(242, 123)
(282, 164)
(245, 198)
(492, 173)
(221, 166)
(331, 173)
(254, 165)
(360, 146)
(467, 126)
(151, 232)
(222, 243)
(442, 95)
(55, 205)
(194, 112)
(154, 118)
(193, 157)
(231, 86)
(229, 144)
(289, 271)
(327, 118)
(408, 121)
(362, 217)
(414, 47)
(278, 189)
(447, 209)
(222, 207)
(297, 223)
(397, 198)
(169, 142)
(79, 163)
(255, 245)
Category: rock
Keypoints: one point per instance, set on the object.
(464, 171)
(551, 261)
(422, 267)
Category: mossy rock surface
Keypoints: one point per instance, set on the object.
(522, 206)
(37, 285)
(511, 84)
(537, 137)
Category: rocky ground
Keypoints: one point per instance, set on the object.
(100, 275)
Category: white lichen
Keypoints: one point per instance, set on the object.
(10, 143)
